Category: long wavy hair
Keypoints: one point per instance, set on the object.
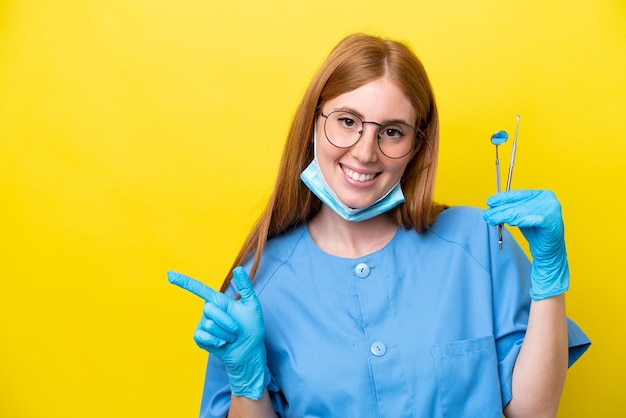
(357, 60)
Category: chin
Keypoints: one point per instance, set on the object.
(358, 204)
(359, 201)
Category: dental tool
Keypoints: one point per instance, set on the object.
(513, 150)
(500, 138)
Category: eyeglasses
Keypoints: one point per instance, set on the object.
(344, 129)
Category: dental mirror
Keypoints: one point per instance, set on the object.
(499, 138)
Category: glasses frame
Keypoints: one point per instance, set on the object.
(363, 122)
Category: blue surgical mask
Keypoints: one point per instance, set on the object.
(313, 178)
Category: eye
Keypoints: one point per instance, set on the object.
(346, 121)
(392, 132)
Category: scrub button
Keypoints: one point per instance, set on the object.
(362, 270)
(378, 349)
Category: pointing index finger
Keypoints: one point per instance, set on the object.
(191, 285)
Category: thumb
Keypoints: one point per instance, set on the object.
(244, 286)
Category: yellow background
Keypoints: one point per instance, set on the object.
(142, 136)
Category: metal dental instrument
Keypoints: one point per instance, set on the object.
(512, 162)
(500, 138)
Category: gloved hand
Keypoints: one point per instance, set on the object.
(537, 213)
(233, 331)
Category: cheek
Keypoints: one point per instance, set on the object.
(409, 164)
(325, 150)
(399, 168)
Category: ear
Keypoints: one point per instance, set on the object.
(314, 131)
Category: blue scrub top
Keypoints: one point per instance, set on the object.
(428, 326)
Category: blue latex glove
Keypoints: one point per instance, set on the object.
(537, 213)
(233, 331)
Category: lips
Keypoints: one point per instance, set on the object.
(360, 177)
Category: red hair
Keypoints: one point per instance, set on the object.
(356, 60)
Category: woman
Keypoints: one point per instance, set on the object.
(368, 298)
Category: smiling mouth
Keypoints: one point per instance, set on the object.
(358, 177)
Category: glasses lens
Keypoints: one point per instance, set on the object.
(343, 129)
(396, 140)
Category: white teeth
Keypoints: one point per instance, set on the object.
(358, 177)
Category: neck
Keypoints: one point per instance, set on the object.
(334, 235)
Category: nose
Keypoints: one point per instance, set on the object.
(366, 148)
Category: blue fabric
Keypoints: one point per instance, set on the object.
(447, 309)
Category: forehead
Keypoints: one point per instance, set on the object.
(378, 100)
